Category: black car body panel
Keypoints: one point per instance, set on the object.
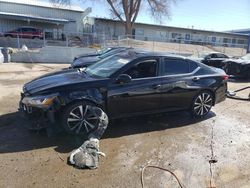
(237, 67)
(140, 96)
(84, 61)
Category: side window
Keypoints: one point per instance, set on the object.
(175, 66)
(144, 69)
(192, 66)
(221, 56)
(208, 56)
(214, 56)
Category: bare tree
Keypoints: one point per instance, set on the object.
(128, 10)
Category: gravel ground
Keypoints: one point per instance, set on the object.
(174, 141)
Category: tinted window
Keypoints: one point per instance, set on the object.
(221, 56)
(109, 53)
(175, 66)
(143, 69)
(214, 56)
(192, 66)
(26, 29)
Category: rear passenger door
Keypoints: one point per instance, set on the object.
(177, 80)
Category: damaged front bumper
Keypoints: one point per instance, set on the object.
(39, 117)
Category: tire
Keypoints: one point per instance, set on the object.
(9, 36)
(202, 104)
(81, 118)
(36, 38)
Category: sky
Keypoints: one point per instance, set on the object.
(217, 15)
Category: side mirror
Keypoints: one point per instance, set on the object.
(123, 79)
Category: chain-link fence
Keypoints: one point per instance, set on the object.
(35, 40)
(181, 46)
(172, 45)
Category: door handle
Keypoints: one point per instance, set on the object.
(196, 79)
(156, 86)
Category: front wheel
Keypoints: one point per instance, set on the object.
(82, 118)
(202, 104)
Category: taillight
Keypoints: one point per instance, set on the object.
(225, 77)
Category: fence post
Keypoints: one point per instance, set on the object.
(44, 39)
(18, 42)
(105, 41)
(153, 45)
(67, 40)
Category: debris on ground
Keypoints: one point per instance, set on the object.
(87, 155)
(233, 94)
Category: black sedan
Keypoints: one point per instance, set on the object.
(127, 84)
(86, 60)
(238, 67)
(213, 59)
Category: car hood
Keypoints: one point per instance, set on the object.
(84, 61)
(239, 61)
(56, 80)
(86, 55)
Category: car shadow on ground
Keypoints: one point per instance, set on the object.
(150, 123)
(14, 137)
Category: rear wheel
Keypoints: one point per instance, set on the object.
(81, 118)
(36, 38)
(8, 36)
(202, 104)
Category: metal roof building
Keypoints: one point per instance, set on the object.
(54, 19)
(143, 31)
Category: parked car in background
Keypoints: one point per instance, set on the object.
(25, 32)
(129, 83)
(238, 67)
(97, 53)
(213, 59)
(86, 60)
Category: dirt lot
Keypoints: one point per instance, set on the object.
(174, 141)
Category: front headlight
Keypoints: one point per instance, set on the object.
(39, 101)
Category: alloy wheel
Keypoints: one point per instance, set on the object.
(82, 119)
(202, 104)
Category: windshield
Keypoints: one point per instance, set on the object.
(246, 57)
(200, 55)
(103, 50)
(109, 53)
(203, 55)
(106, 67)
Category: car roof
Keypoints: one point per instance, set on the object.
(144, 53)
(212, 52)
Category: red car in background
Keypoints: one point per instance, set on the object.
(25, 32)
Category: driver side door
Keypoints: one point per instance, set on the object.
(141, 95)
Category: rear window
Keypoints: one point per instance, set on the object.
(178, 66)
(221, 56)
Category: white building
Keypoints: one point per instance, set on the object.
(115, 29)
(54, 19)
